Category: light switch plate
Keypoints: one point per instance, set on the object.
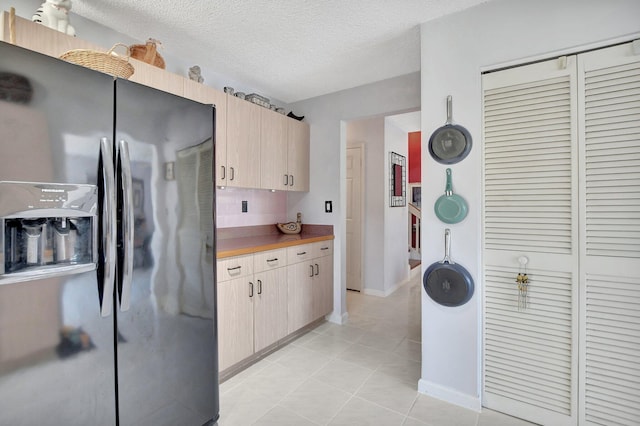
(169, 170)
(328, 206)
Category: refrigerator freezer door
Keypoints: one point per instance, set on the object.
(167, 369)
(56, 350)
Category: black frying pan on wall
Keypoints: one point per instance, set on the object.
(450, 143)
(448, 283)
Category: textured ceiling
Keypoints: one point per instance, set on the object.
(288, 49)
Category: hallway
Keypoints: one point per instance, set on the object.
(362, 373)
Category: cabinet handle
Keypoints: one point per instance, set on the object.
(291, 180)
(275, 259)
(324, 248)
(233, 173)
(317, 269)
(224, 172)
(259, 286)
(286, 180)
(311, 271)
(250, 289)
(302, 253)
(234, 268)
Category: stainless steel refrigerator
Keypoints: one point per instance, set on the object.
(107, 251)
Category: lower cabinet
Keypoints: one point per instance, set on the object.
(235, 321)
(310, 283)
(264, 297)
(235, 309)
(252, 304)
(270, 299)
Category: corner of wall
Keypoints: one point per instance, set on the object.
(452, 396)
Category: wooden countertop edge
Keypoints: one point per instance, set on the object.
(265, 247)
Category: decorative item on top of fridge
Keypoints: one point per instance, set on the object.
(523, 283)
(195, 74)
(148, 53)
(55, 14)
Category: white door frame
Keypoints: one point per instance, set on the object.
(361, 148)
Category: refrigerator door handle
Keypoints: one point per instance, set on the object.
(126, 224)
(108, 226)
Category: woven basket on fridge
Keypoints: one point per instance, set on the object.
(147, 53)
(107, 62)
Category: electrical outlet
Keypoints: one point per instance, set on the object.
(245, 207)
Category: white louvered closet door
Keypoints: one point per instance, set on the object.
(530, 209)
(609, 99)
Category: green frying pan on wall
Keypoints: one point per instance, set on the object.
(450, 208)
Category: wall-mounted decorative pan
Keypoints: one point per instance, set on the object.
(450, 207)
(450, 143)
(446, 282)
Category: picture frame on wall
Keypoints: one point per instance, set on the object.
(397, 180)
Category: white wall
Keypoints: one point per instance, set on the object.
(326, 116)
(370, 133)
(385, 228)
(396, 219)
(263, 207)
(455, 49)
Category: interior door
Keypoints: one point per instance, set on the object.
(530, 212)
(609, 93)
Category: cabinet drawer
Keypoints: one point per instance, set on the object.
(323, 248)
(299, 253)
(234, 267)
(267, 260)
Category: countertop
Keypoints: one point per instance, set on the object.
(252, 239)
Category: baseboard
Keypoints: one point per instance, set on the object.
(415, 272)
(336, 318)
(380, 293)
(449, 395)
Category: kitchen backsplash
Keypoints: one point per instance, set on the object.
(263, 207)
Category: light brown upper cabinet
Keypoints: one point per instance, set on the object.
(243, 143)
(298, 155)
(206, 95)
(273, 151)
(284, 153)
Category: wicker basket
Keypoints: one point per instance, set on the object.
(147, 53)
(107, 62)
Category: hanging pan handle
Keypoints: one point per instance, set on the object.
(448, 189)
(447, 247)
(449, 110)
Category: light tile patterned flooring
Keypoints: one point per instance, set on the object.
(362, 373)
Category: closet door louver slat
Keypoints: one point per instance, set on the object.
(520, 155)
(609, 89)
(530, 363)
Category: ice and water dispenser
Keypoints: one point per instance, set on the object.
(46, 230)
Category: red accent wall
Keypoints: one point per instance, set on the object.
(415, 157)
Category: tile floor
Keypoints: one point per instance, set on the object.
(362, 373)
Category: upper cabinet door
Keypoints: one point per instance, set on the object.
(273, 151)
(206, 95)
(298, 155)
(243, 143)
